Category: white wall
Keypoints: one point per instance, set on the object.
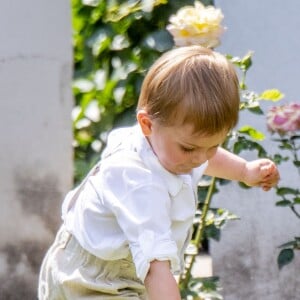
(245, 258)
(36, 135)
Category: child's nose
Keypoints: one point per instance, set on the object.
(203, 155)
(199, 157)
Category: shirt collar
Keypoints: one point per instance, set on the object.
(173, 182)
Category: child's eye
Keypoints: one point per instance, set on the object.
(185, 149)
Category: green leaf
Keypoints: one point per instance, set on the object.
(160, 40)
(243, 86)
(246, 61)
(93, 3)
(297, 243)
(213, 232)
(289, 244)
(243, 63)
(271, 95)
(244, 186)
(119, 42)
(286, 190)
(238, 147)
(285, 257)
(256, 110)
(255, 134)
(284, 203)
(116, 13)
(81, 168)
(285, 145)
(296, 163)
(277, 158)
(295, 137)
(297, 200)
(100, 40)
(244, 144)
(83, 85)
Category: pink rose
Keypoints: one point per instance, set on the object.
(283, 119)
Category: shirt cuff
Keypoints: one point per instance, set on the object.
(151, 246)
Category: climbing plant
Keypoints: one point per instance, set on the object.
(115, 42)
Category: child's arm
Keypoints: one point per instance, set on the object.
(160, 283)
(260, 172)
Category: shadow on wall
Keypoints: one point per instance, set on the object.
(19, 266)
(33, 219)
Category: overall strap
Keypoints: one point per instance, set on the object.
(92, 172)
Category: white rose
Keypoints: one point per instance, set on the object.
(197, 25)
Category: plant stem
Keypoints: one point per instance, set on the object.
(243, 80)
(295, 157)
(184, 280)
(294, 150)
(206, 205)
(294, 211)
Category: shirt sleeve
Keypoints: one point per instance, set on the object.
(141, 204)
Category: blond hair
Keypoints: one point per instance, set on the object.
(192, 85)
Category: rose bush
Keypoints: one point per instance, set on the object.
(284, 121)
(202, 26)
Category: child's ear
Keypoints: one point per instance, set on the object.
(145, 122)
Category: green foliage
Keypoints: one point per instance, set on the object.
(209, 288)
(285, 257)
(115, 42)
(289, 197)
(209, 221)
(243, 143)
(287, 253)
(252, 132)
(273, 95)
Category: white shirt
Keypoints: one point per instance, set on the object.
(134, 205)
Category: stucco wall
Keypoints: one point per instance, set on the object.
(245, 258)
(36, 135)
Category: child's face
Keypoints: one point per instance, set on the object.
(180, 150)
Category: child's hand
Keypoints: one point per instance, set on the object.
(261, 172)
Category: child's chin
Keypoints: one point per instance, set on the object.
(184, 171)
(180, 170)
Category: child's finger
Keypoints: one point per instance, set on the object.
(266, 187)
(270, 173)
(270, 182)
(266, 171)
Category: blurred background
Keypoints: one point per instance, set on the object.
(71, 71)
